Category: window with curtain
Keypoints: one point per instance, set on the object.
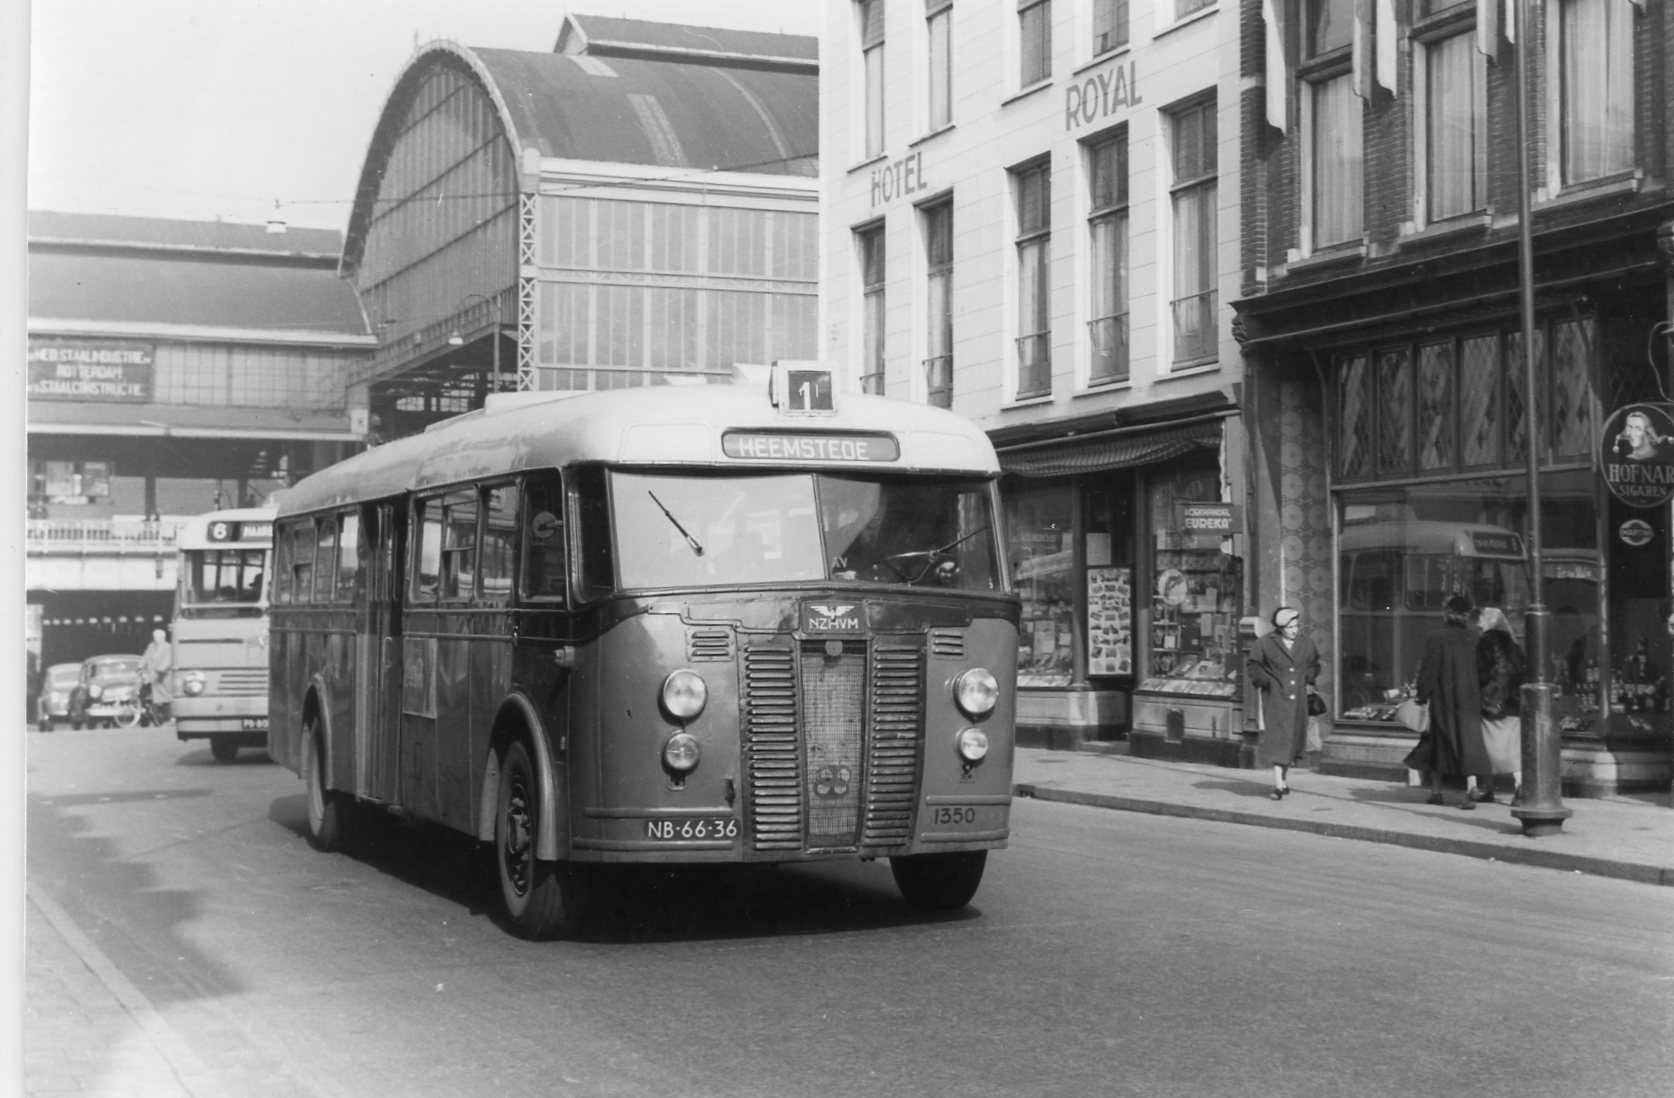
(870, 242)
(1595, 88)
(1110, 25)
(1193, 199)
(1107, 224)
(938, 262)
(871, 14)
(1032, 188)
(1455, 127)
(1034, 22)
(939, 23)
(1337, 213)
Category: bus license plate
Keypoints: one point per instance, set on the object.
(691, 830)
(253, 724)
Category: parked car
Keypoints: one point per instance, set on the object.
(104, 682)
(52, 706)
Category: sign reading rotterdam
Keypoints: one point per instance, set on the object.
(119, 372)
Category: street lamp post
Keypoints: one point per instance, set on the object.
(458, 340)
(1542, 811)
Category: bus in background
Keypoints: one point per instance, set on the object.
(706, 624)
(219, 682)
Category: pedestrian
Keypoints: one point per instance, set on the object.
(1283, 665)
(155, 665)
(1501, 669)
(1452, 747)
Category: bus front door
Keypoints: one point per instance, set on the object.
(378, 656)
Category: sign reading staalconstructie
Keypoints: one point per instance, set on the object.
(1636, 454)
(100, 371)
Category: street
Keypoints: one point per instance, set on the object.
(1107, 953)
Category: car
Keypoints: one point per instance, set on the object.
(102, 683)
(58, 682)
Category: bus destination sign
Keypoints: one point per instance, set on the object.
(823, 446)
(240, 531)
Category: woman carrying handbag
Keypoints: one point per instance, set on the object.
(1283, 665)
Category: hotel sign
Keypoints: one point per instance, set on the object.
(1104, 93)
(108, 372)
(1636, 454)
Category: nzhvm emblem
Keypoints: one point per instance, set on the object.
(830, 617)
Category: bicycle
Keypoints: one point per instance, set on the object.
(141, 709)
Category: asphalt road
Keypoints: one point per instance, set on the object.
(1107, 953)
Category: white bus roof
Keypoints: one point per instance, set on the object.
(194, 533)
(659, 425)
(1469, 539)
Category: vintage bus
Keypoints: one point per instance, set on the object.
(678, 624)
(219, 682)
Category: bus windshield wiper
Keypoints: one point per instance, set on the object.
(697, 549)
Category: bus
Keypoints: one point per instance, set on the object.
(219, 681)
(701, 624)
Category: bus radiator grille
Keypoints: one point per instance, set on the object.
(709, 645)
(243, 681)
(897, 730)
(775, 773)
(833, 726)
(947, 644)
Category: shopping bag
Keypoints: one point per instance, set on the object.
(1413, 715)
(1316, 742)
(1504, 739)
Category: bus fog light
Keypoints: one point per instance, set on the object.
(976, 691)
(680, 753)
(191, 683)
(973, 744)
(684, 694)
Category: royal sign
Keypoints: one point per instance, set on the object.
(1636, 454)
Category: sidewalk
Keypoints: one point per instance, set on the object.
(1626, 837)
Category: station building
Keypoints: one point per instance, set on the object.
(1379, 309)
(1033, 216)
(638, 205)
(174, 367)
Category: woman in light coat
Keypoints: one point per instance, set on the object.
(1282, 665)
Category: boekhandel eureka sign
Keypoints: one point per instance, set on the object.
(1636, 454)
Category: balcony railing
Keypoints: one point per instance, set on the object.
(100, 535)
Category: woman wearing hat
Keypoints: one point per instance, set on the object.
(1282, 665)
(1453, 746)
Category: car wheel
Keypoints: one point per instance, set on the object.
(544, 899)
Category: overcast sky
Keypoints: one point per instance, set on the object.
(207, 109)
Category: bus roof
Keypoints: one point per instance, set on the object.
(660, 425)
(1467, 539)
(256, 522)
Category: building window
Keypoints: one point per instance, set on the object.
(939, 22)
(1110, 25)
(1033, 189)
(1193, 197)
(871, 14)
(1595, 88)
(1333, 208)
(871, 245)
(938, 256)
(1034, 23)
(1107, 164)
(1455, 159)
(1183, 8)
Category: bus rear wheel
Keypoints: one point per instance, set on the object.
(544, 899)
(224, 750)
(939, 882)
(329, 812)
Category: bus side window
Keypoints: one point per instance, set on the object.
(459, 545)
(348, 557)
(543, 548)
(325, 559)
(597, 568)
(499, 536)
(302, 561)
(282, 565)
(427, 549)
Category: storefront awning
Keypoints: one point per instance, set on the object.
(1113, 450)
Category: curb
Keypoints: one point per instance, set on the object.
(1545, 859)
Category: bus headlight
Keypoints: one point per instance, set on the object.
(681, 752)
(973, 744)
(684, 694)
(191, 683)
(976, 691)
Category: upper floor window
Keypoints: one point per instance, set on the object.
(1332, 136)
(1032, 189)
(938, 261)
(1183, 8)
(871, 13)
(939, 23)
(1193, 130)
(1110, 25)
(1330, 25)
(1454, 162)
(870, 242)
(1594, 66)
(1034, 24)
(1107, 225)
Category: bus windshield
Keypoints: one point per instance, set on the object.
(680, 530)
(220, 582)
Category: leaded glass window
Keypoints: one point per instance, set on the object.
(1436, 406)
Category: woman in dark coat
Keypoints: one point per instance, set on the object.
(1282, 665)
(1453, 747)
(1501, 670)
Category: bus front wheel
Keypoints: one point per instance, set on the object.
(544, 899)
(223, 749)
(328, 810)
(939, 882)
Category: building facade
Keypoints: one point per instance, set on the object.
(173, 367)
(1380, 314)
(638, 205)
(1032, 217)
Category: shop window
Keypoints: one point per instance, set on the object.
(1437, 418)
(1196, 587)
(1394, 381)
(1040, 543)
